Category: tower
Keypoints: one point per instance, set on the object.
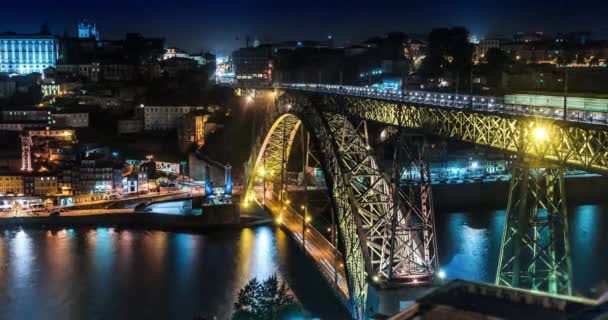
(87, 30)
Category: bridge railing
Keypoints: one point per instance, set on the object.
(456, 101)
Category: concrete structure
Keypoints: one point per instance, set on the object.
(165, 118)
(24, 54)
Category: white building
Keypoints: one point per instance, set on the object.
(165, 117)
(175, 53)
(24, 54)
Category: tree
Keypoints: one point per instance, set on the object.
(264, 301)
(448, 50)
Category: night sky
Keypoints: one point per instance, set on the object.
(216, 25)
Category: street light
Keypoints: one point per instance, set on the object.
(441, 275)
(249, 99)
(540, 134)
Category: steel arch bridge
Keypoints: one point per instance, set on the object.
(385, 235)
(534, 252)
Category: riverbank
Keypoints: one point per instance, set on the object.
(454, 197)
(214, 219)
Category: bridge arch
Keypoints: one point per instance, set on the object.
(381, 237)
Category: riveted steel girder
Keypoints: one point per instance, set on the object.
(375, 237)
(564, 143)
(534, 252)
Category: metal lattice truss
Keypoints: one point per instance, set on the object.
(534, 251)
(382, 238)
(569, 144)
(271, 152)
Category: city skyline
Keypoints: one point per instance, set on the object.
(223, 27)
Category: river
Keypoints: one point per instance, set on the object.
(108, 273)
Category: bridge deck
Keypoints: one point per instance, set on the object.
(317, 247)
(488, 104)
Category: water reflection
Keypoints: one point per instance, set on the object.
(102, 272)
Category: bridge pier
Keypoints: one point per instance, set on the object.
(535, 251)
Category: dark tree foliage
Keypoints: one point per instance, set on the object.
(497, 63)
(448, 50)
(265, 301)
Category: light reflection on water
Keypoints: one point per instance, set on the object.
(105, 272)
(469, 244)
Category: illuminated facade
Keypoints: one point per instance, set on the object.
(87, 29)
(11, 184)
(24, 54)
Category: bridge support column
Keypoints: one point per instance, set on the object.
(535, 251)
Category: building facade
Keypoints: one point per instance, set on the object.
(163, 118)
(45, 185)
(8, 88)
(87, 30)
(72, 120)
(253, 65)
(24, 54)
(11, 184)
(127, 126)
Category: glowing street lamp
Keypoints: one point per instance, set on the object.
(540, 134)
(441, 275)
(262, 171)
(249, 99)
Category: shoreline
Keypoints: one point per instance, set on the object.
(155, 221)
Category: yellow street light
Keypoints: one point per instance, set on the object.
(308, 218)
(540, 134)
(279, 219)
(249, 99)
(287, 201)
(262, 171)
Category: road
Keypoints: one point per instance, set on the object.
(104, 206)
(317, 246)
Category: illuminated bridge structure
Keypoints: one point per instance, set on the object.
(386, 235)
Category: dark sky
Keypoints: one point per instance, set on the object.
(215, 25)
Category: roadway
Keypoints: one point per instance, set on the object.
(104, 205)
(455, 101)
(317, 246)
